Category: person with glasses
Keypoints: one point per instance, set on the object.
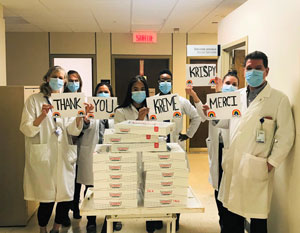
(50, 156)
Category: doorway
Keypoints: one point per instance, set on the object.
(125, 68)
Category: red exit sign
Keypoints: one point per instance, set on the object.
(144, 37)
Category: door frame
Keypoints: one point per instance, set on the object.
(188, 60)
(114, 57)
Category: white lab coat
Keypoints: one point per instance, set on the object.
(246, 186)
(128, 113)
(86, 147)
(49, 159)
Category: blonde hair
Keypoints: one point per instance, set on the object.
(45, 88)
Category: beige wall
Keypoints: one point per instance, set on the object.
(2, 50)
(273, 27)
(103, 56)
(27, 57)
(202, 38)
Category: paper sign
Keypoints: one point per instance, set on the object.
(164, 107)
(68, 105)
(104, 107)
(201, 74)
(224, 105)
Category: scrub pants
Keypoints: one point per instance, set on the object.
(45, 211)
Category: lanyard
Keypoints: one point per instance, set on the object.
(50, 104)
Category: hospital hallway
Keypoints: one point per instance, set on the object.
(189, 223)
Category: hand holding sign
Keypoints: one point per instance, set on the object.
(88, 110)
(142, 113)
(45, 109)
(219, 84)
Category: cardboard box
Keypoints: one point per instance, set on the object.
(111, 137)
(165, 202)
(115, 204)
(116, 194)
(175, 153)
(144, 146)
(113, 167)
(158, 166)
(115, 176)
(115, 157)
(115, 186)
(145, 127)
(102, 148)
(165, 193)
(169, 173)
(166, 183)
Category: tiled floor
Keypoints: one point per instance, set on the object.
(189, 223)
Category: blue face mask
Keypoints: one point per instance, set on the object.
(56, 83)
(73, 86)
(103, 94)
(254, 77)
(165, 87)
(138, 96)
(228, 88)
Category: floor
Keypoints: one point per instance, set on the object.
(189, 223)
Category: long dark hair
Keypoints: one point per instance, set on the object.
(128, 100)
(231, 73)
(45, 88)
(104, 84)
(79, 79)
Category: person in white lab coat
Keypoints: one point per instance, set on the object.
(134, 105)
(259, 142)
(217, 138)
(50, 157)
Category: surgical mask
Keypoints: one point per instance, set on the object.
(56, 83)
(138, 96)
(254, 77)
(73, 86)
(165, 87)
(228, 88)
(103, 94)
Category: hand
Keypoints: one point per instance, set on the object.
(205, 108)
(270, 167)
(142, 113)
(183, 137)
(88, 109)
(219, 84)
(45, 109)
(189, 90)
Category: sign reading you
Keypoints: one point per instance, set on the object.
(224, 105)
(104, 108)
(201, 74)
(164, 107)
(68, 105)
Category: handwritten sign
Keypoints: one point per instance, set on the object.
(68, 105)
(201, 74)
(104, 107)
(163, 107)
(224, 105)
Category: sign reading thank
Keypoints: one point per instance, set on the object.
(201, 74)
(224, 105)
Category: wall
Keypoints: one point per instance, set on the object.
(273, 27)
(2, 50)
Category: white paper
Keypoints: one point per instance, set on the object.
(164, 107)
(68, 105)
(104, 107)
(201, 74)
(224, 105)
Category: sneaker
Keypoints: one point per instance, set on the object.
(91, 229)
(117, 226)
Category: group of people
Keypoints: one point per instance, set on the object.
(243, 152)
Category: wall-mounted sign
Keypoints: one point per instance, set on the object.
(144, 37)
(203, 50)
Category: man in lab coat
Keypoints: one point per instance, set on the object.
(260, 141)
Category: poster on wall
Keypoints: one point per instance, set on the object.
(104, 107)
(68, 105)
(224, 105)
(163, 107)
(201, 74)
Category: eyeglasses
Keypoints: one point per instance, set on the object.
(167, 80)
(60, 77)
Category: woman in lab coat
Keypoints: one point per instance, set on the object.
(217, 138)
(134, 105)
(50, 157)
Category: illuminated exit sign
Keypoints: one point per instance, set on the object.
(144, 37)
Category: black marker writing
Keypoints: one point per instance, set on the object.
(163, 105)
(67, 103)
(224, 101)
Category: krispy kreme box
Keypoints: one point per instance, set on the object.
(115, 194)
(111, 157)
(102, 176)
(165, 192)
(175, 152)
(110, 136)
(113, 167)
(165, 202)
(167, 174)
(145, 127)
(143, 146)
(168, 165)
(166, 183)
(114, 185)
(115, 204)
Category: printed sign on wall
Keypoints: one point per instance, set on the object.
(201, 74)
(224, 105)
(68, 105)
(104, 107)
(164, 107)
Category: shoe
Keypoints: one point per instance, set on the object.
(66, 222)
(91, 229)
(117, 226)
(158, 225)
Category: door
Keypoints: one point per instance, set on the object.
(127, 68)
(198, 141)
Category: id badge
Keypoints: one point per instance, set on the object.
(58, 131)
(260, 136)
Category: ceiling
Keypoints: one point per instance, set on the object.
(116, 16)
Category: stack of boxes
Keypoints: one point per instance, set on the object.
(135, 162)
